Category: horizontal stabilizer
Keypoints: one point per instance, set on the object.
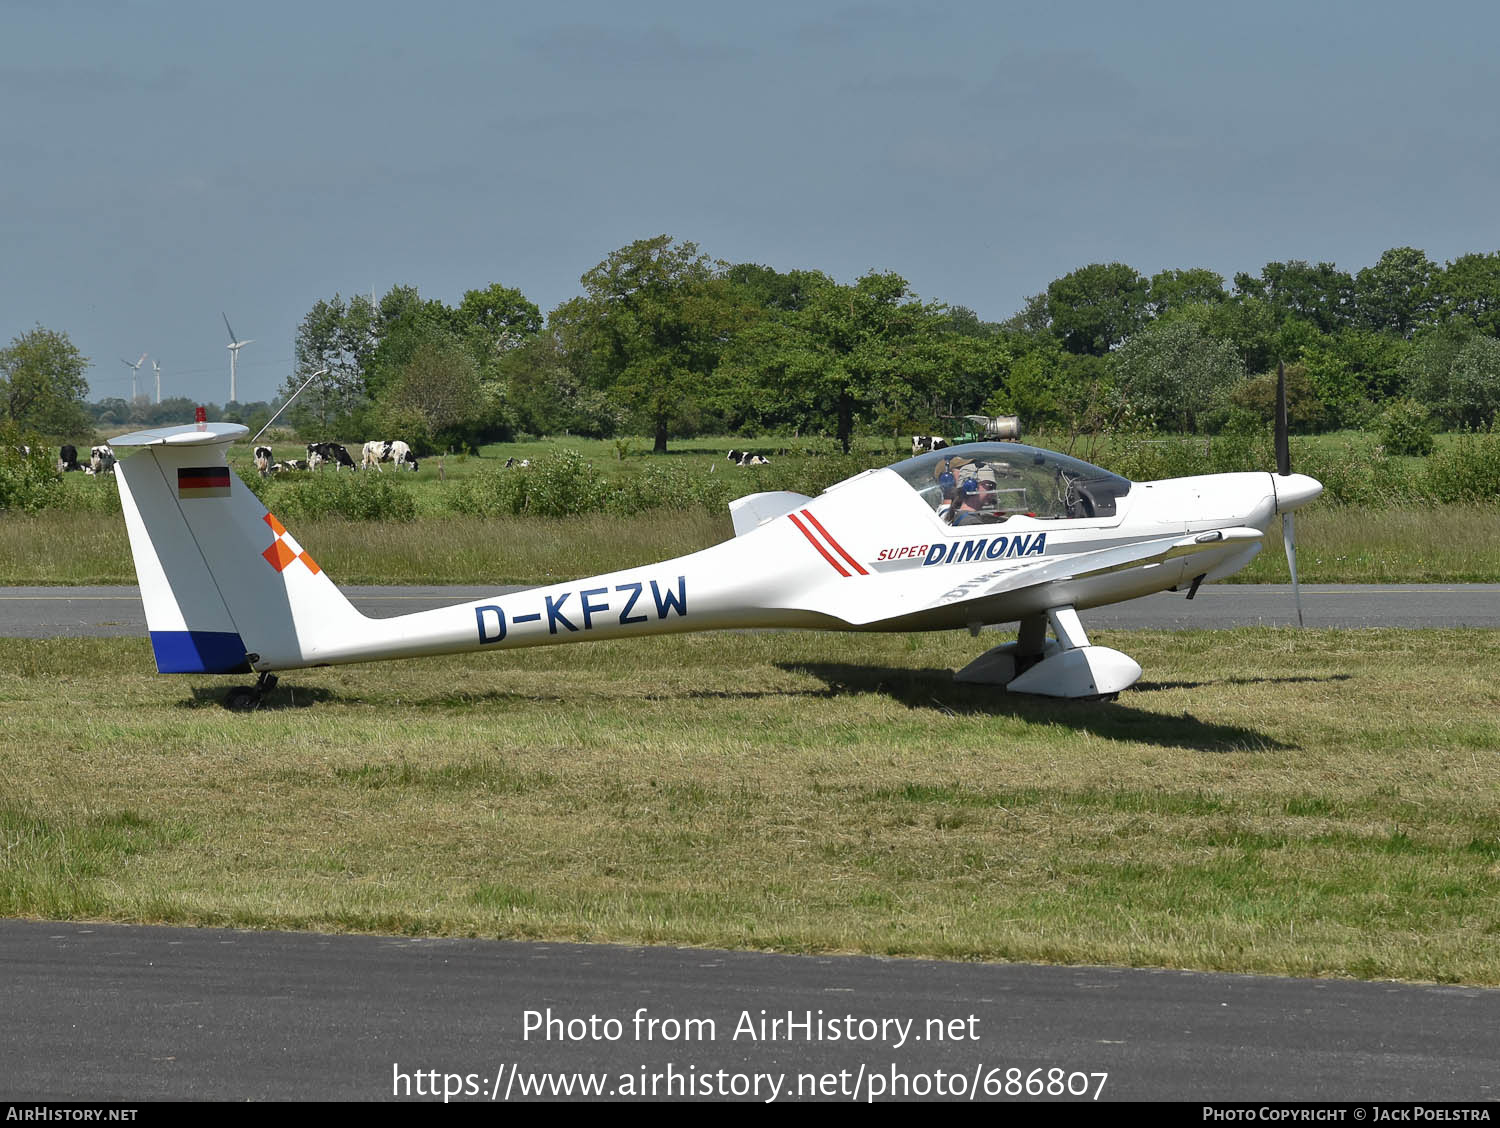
(191, 434)
(754, 510)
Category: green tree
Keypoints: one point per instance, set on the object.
(1469, 287)
(433, 400)
(1473, 393)
(1427, 369)
(1256, 397)
(1396, 294)
(871, 351)
(1172, 372)
(1322, 295)
(1172, 289)
(1097, 307)
(546, 396)
(1336, 385)
(42, 386)
(770, 289)
(655, 318)
(495, 320)
(338, 339)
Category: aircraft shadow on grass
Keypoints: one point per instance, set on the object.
(914, 688)
(283, 697)
(936, 689)
(1212, 682)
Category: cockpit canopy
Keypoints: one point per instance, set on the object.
(985, 483)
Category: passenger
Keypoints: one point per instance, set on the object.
(946, 473)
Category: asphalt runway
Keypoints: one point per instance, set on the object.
(50, 612)
(110, 1012)
(104, 1012)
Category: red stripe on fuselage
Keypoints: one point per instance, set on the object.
(812, 540)
(853, 563)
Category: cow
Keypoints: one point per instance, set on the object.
(294, 464)
(101, 460)
(388, 450)
(920, 444)
(319, 453)
(376, 451)
(401, 455)
(68, 457)
(263, 459)
(523, 462)
(746, 458)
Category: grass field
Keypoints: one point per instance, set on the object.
(87, 543)
(1452, 544)
(1309, 803)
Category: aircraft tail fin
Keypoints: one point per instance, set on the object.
(226, 588)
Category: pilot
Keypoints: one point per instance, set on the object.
(986, 483)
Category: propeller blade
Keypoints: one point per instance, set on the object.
(225, 316)
(1289, 539)
(1283, 446)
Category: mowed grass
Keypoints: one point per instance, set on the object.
(1448, 544)
(1308, 803)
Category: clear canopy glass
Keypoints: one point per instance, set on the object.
(985, 483)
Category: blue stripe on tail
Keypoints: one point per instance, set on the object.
(199, 652)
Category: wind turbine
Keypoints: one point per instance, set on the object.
(234, 354)
(156, 367)
(134, 368)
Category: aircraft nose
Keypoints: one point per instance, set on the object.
(1294, 490)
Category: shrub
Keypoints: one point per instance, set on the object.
(355, 497)
(1465, 471)
(29, 482)
(83, 493)
(1404, 430)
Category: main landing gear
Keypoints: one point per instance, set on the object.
(1066, 665)
(246, 698)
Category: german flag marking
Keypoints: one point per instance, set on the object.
(202, 481)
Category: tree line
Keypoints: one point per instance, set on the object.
(667, 341)
(664, 340)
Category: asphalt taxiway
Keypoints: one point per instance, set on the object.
(109, 1012)
(50, 612)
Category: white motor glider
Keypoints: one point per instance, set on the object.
(962, 537)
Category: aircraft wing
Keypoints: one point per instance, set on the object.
(948, 587)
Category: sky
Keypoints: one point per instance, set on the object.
(165, 163)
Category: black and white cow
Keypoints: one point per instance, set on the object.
(920, 444)
(319, 453)
(402, 456)
(746, 458)
(101, 460)
(68, 457)
(263, 459)
(294, 464)
(376, 451)
(388, 450)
